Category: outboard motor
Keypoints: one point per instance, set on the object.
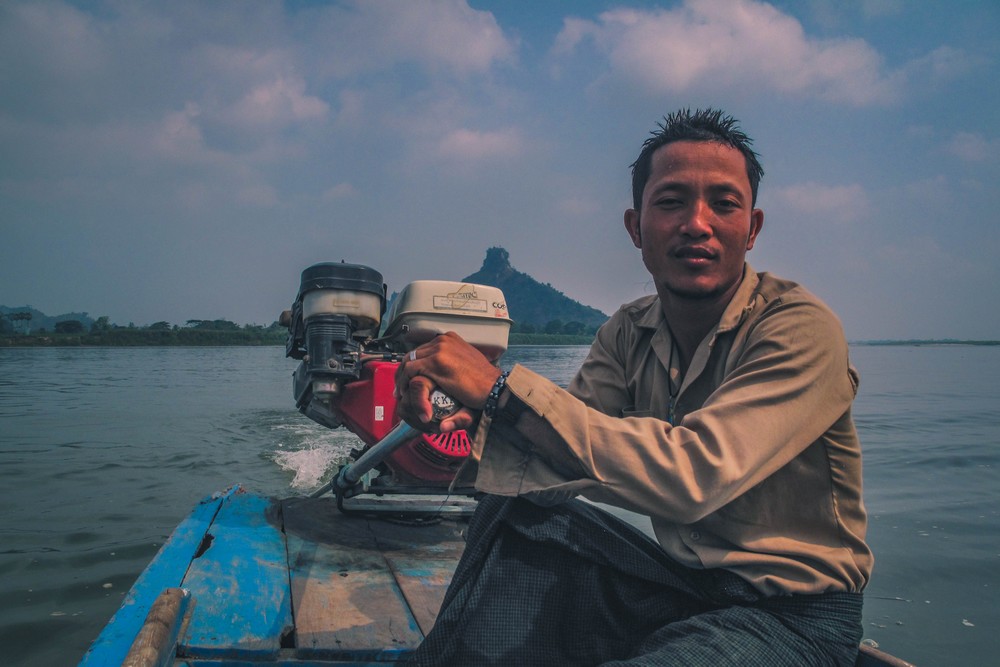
(337, 308)
(346, 374)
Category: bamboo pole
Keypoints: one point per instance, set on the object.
(156, 642)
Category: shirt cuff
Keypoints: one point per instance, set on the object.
(508, 463)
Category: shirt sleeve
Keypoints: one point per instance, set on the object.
(789, 380)
(601, 383)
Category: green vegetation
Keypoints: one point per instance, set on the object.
(73, 333)
(154, 335)
(102, 333)
(542, 316)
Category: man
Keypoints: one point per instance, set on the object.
(720, 408)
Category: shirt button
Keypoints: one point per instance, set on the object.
(695, 535)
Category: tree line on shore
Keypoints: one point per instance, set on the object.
(542, 316)
(101, 332)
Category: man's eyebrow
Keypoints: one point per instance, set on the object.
(669, 185)
(721, 186)
(726, 186)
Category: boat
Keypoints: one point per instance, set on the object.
(355, 573)
(247, 580)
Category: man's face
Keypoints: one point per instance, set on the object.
(697, 221)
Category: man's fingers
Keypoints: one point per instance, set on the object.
(417, 398)
(461, 420)
(406, 373)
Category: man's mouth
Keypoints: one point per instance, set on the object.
(694, 253)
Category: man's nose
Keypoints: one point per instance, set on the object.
(698, 218)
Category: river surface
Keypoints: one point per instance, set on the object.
(103, 451)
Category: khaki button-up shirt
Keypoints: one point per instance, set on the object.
(760, 473)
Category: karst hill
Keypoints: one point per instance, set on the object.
(533, 304)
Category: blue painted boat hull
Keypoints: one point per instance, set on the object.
(291, 582)
(252, 580)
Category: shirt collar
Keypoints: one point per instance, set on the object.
(651, 315)
(742, 302)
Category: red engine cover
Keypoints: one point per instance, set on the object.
(366, 406)
(368, 409)
(432, 457)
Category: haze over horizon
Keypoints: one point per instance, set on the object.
(186, 160)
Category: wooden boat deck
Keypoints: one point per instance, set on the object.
(247, 580)
(326, 587)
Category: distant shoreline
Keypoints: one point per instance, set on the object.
(208, 338)
(925, 343)
(242, 339)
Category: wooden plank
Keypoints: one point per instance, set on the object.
(347, 605)
(242, 606)
(423, 560)
(423, 584)
(166, 570)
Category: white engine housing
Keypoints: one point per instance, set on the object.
(427, 308)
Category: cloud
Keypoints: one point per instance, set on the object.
(339, 191)
(248, 67)
(178, 136)
(942, 65)
(713, 43)
(437, 35)
(972, 147)
(924, 255)
(279, 102)
(257, 196)
(55, 44)
(232, 101)
(836, 203)
(933, 188)
(465, 144)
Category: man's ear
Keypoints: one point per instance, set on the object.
(756, 223)
(632, 226)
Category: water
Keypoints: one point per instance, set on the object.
(103, 451)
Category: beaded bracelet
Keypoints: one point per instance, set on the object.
(491, 401)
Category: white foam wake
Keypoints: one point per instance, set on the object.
(310, 464)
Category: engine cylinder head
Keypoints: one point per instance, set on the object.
(354, 290)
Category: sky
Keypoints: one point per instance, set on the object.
(186, 160)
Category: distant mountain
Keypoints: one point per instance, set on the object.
(529, 301)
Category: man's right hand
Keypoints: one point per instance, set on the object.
(452, 365)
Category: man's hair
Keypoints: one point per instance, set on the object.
(699, 125)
